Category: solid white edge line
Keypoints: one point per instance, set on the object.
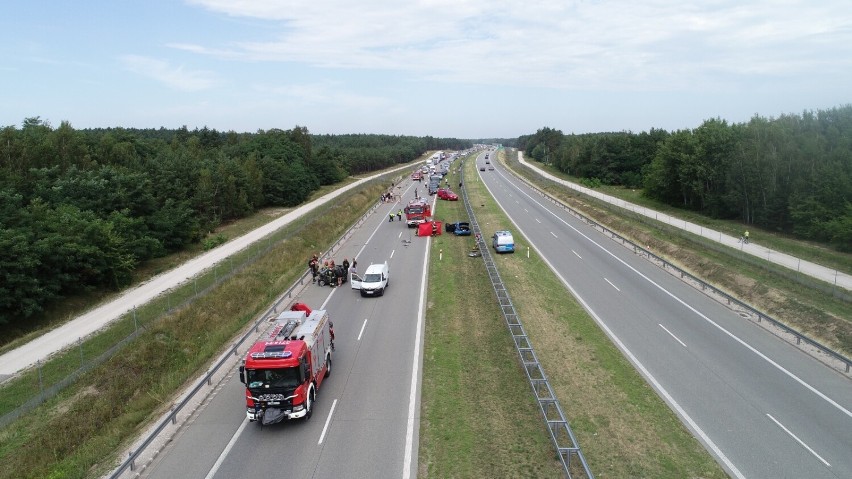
(732, 469)
(415, 370)
(224, 454)
(363, 326)
(672, 335)
(798, 440)
(327, 422)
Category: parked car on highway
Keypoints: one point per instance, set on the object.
(374, 282)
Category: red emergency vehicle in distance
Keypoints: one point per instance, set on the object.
(417, 211)
(283, 371)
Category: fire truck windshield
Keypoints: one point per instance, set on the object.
(273, 378)
(414, 210)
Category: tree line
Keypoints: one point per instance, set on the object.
(791, 174)
(82, 209)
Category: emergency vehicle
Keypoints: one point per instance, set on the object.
(416, 212)
(283, 371)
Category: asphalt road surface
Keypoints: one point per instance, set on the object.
(763, 408)
(366, 416)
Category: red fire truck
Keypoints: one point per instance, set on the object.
(417, 211)
(283, 371)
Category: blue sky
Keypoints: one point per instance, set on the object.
(448, 68)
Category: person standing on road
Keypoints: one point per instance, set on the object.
(399, 215)
(390, 217)
(745, 237)
(313, 265)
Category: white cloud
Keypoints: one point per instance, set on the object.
(564, 44)
(173, 76)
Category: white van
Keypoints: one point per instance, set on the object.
(503, 242)
(374, 281)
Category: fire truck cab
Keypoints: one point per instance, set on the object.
(417, 211)
(283, 371)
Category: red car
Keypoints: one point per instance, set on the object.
(445, 194)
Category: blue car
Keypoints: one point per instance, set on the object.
(460, 228)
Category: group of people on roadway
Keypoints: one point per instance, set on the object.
(328, 272)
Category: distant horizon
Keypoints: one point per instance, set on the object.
(768, 117)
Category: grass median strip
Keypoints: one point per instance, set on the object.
(479, 417)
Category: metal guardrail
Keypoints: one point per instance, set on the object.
(560, 431)
(810, 346)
